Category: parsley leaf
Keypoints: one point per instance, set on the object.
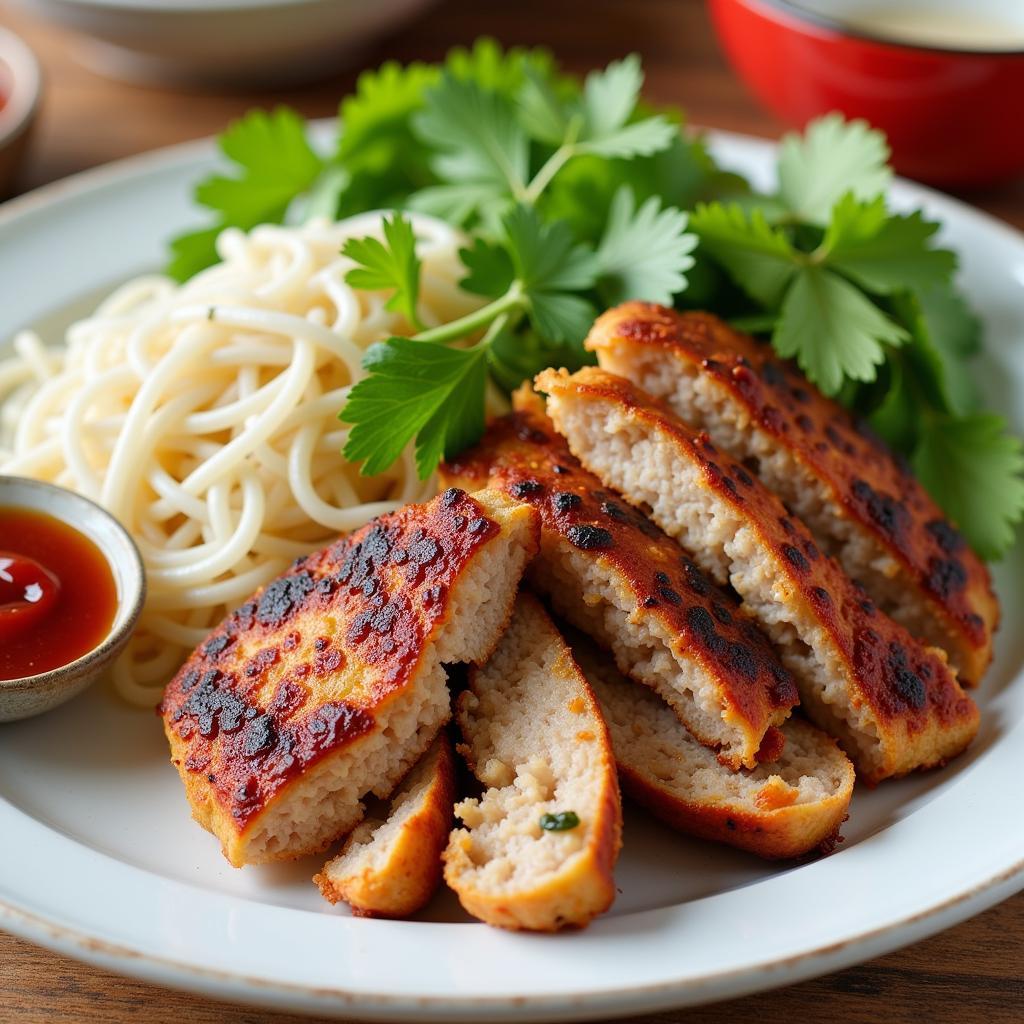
(609, 99)
(758, 257)
(276, 163)
(833, 330)
(392, 263)
(549, 263)
(644, 252)
(831, 158)
(973, 470)
(415, 389)
(490, 268)
(884, 252)
(541, 111)
(193, 252)
(480, 140)
(497, 70)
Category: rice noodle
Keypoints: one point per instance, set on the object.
(204, 416)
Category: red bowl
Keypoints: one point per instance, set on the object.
(954, 117)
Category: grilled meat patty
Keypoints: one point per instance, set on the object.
(613, 574)
(391, 866)
(861, 504)
(893, 704)
(533, 734)
(790, 807)
(329, 684)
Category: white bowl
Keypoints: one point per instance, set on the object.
(223, 41)
(32, 695)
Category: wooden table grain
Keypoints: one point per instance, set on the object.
(972, 974)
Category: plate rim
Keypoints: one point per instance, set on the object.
(868, 943)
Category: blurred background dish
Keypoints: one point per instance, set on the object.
(944, 79)
(223, 41)
(20, 88)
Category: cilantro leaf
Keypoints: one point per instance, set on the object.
(884, 252)
(953, 325)
(276, 161)
(415, 389)
(973, 469)
(515, 356)
(644, 252)
(832, 330)
(192, 252)
(391, 264)
(380, 156)
(496, 70)
(583, 192)
(491, 272)
(832, 157)
(546, 255)
(609, 99)
(456, 204)
(548, 262)
(758, 257)
(561, 317)
(541, 111)
(480, 140)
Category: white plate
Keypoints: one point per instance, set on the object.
(98, 858)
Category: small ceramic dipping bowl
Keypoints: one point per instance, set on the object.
(32, 695)
(20, 89)
(944, 79)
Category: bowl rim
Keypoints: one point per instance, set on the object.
(21, 102)
(817, 20)
(135, 596)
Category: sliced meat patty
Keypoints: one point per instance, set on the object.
(862, 505)
(788, 808)
(893, 704)
(329, 684)
(613, 574)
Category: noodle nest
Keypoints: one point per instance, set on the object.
(204, 416)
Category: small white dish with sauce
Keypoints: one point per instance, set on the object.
(31, 694)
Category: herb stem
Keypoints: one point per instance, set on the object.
(543, 177)
(554, 163)
(483, 317)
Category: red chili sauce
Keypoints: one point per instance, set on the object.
(57, 594)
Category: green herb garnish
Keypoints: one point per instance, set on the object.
(563, 821)
(575, 196)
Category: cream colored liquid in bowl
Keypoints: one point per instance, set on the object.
(958, 30)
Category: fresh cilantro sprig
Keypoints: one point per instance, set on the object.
(575, 195)
(391, 264)
(421, 388)
(863, 300)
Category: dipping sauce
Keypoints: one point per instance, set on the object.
(58, 597)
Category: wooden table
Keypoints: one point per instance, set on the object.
(973, 973)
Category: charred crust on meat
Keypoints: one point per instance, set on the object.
(248, 718)
(833, 448)
(526, 488)
(946, 576)
(588, 537)
(946, 536)
(615, 511)
(795, 557)
(663, 579)
(889, 514)
(565, 501)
